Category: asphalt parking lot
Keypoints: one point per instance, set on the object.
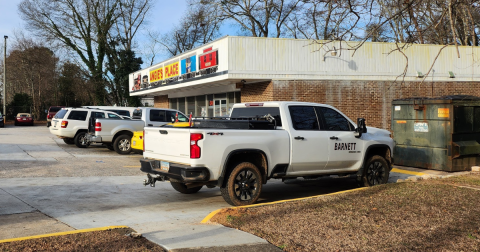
(48, 186)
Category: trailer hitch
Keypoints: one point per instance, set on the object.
(151, 180)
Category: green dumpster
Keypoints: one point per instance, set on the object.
(440, 133)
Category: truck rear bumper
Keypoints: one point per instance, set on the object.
(179, 172)
(93, 138)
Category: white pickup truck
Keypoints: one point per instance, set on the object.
(116, 133)
(276, 140)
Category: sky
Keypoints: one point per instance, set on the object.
(163, 16)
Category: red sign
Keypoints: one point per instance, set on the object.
(208, 59)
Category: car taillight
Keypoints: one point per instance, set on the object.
(98, 126)
(144, 141)
(49, 116)
(64, 124)
(195, 150)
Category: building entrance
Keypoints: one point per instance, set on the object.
(220, 108)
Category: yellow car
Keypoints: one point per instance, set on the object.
(137, 139)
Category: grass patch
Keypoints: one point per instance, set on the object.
(111, 240)
(430, 215)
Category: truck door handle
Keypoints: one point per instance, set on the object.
(299, 138)
(150, 125)
(334, 138)
(163, 132)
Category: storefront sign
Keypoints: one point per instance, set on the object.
(156, 75)
(189, 67)
(171, 70)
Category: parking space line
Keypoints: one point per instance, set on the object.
(396, 170)
(133, 166)
(213, 213)
(63, 233)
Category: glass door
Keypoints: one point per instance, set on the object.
(220, 108)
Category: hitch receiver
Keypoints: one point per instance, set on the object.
(151, 180)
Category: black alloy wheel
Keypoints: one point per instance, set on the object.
(244, 185)
(376, 171)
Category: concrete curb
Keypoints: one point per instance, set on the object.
(213, 213)
(63, 233)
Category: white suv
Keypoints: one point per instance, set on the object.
(71, 124)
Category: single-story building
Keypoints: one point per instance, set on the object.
(208, 80)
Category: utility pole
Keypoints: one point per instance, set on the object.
(4, 77)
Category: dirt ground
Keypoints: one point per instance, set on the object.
(112, 240)
(430, 215)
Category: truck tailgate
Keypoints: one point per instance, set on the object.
(169, 144)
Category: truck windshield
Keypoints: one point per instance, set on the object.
(252, 112)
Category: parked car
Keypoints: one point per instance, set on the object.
(2, 123)
(117, 134)
(51, 113)
(71, 124)
(262, 141)
(24, 119)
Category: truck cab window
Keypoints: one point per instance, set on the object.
(157, 115)
(113, 116)
(171, 117)
(335, 121)
(304, 118)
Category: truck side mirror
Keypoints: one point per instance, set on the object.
(361, 127)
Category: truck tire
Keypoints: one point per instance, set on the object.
(80, 140)
(122, 144)
(243, 186)
(68, 141)
(375, 172)
(182, 188)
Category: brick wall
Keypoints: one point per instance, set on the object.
(262, 91)
(368, 99)
(160, 101)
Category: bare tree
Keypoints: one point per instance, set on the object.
(86, 27)
(198, 26)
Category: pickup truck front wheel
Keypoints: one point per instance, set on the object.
(243, 186)
(182, 188)
(122, 144)
(375, 172)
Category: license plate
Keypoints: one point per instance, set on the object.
(24, 119)
(164, 166)
(55, 124)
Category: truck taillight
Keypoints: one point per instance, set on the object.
(195, 150)
(98, 126)
(144, 141)
(64, 124)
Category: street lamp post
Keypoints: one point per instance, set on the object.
(4, 77)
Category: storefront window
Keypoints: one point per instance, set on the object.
(237, 97)
(181, 104)
(173, 103)
(201, 106)
(191, 106)
(210, 105)
(230, 101)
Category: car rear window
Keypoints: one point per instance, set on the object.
(78, 115)
(252, 112)
(60, 114)
(137, 114)
(54, 109)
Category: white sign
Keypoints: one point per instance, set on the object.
(420, 127)
(398, 108)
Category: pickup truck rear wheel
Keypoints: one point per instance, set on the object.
(80, 140)
(244, 185)
(122, 144)
(375, 172)
(182, 188)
